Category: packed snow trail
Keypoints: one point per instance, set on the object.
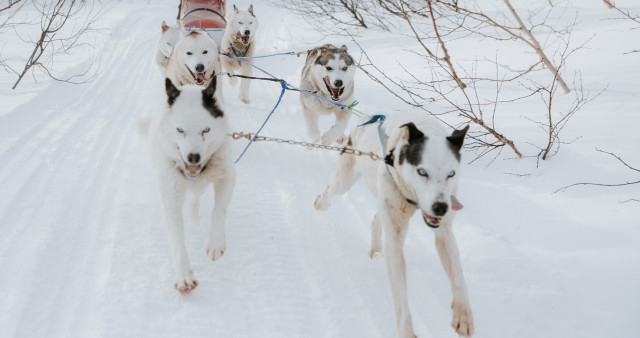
(84, 251)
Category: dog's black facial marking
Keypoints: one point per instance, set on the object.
(389, 158)
(172, 92)
(456, 140)
(412, 152)
(209, 102)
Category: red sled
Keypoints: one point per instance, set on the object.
(204, 14)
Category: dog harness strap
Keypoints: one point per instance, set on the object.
(237, 53)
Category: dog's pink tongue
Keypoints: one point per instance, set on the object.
(455, 204)
(193, 169)
(200, 78)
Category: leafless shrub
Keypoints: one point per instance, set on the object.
(455, 85)
(61, 23)
(626, 15)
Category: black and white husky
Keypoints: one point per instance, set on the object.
(191, 150)
(420, 172)
(239, 40)
(328, 72)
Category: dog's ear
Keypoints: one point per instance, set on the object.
(172, 91)
(389, 158)
(235, 9)
(410, 132)
(457, 138)
(165, 27)
(208, 101)
(251, 10)
(343, 48)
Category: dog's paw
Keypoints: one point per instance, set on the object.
(462, 319)
(342, 140)
(185, 285)
(375, 253)
(327, 139)
(322, 202)
(216, 251)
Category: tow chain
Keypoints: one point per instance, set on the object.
(343, 150)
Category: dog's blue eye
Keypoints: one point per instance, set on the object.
(452, 173)
(329, 68)
(206, 130)
(422, 172)
(180, 130)
(189, 53)
(205, 52)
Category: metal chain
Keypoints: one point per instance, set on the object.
(343, 150)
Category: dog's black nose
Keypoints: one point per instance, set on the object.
(247, 32)
(439, 208)
(193, 158)
(337, 83)
(199, 68)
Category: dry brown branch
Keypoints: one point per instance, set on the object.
(627, 15)
(538, 48)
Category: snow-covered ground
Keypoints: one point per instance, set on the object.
(83, 249)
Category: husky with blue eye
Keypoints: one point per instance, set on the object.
(191, 150)
(328, 72)
(420, 173)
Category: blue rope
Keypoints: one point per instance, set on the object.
(284, 88)
(265, 56)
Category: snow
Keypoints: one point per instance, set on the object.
(84, 253)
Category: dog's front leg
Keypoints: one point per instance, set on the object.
(247, 70)
(331, 135)
(449, 256)
(223, 187)
(311, 120)
(173, 200)
(395, 224)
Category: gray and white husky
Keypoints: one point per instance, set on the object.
(420, 172)
(239, 40)
(191, 150)
(328, 72)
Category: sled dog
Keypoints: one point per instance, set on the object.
(328, 72)
(191, 150)
(168, 39)
(195, 59)
(419, 172)
(238, 39)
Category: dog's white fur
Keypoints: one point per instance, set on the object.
(188, 127)
(335, 66)
(168, 39)
(439, 160)
(195, 59)
(239, 40)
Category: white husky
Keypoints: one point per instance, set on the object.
(168, 39)
(238, 40)
(328, 72)
(195, 59)
(420, 172)
(191, 150)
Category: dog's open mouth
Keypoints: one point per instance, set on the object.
(192, 170)
(244, 38)
(200, 78)
(335, 92)
(431, 221)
